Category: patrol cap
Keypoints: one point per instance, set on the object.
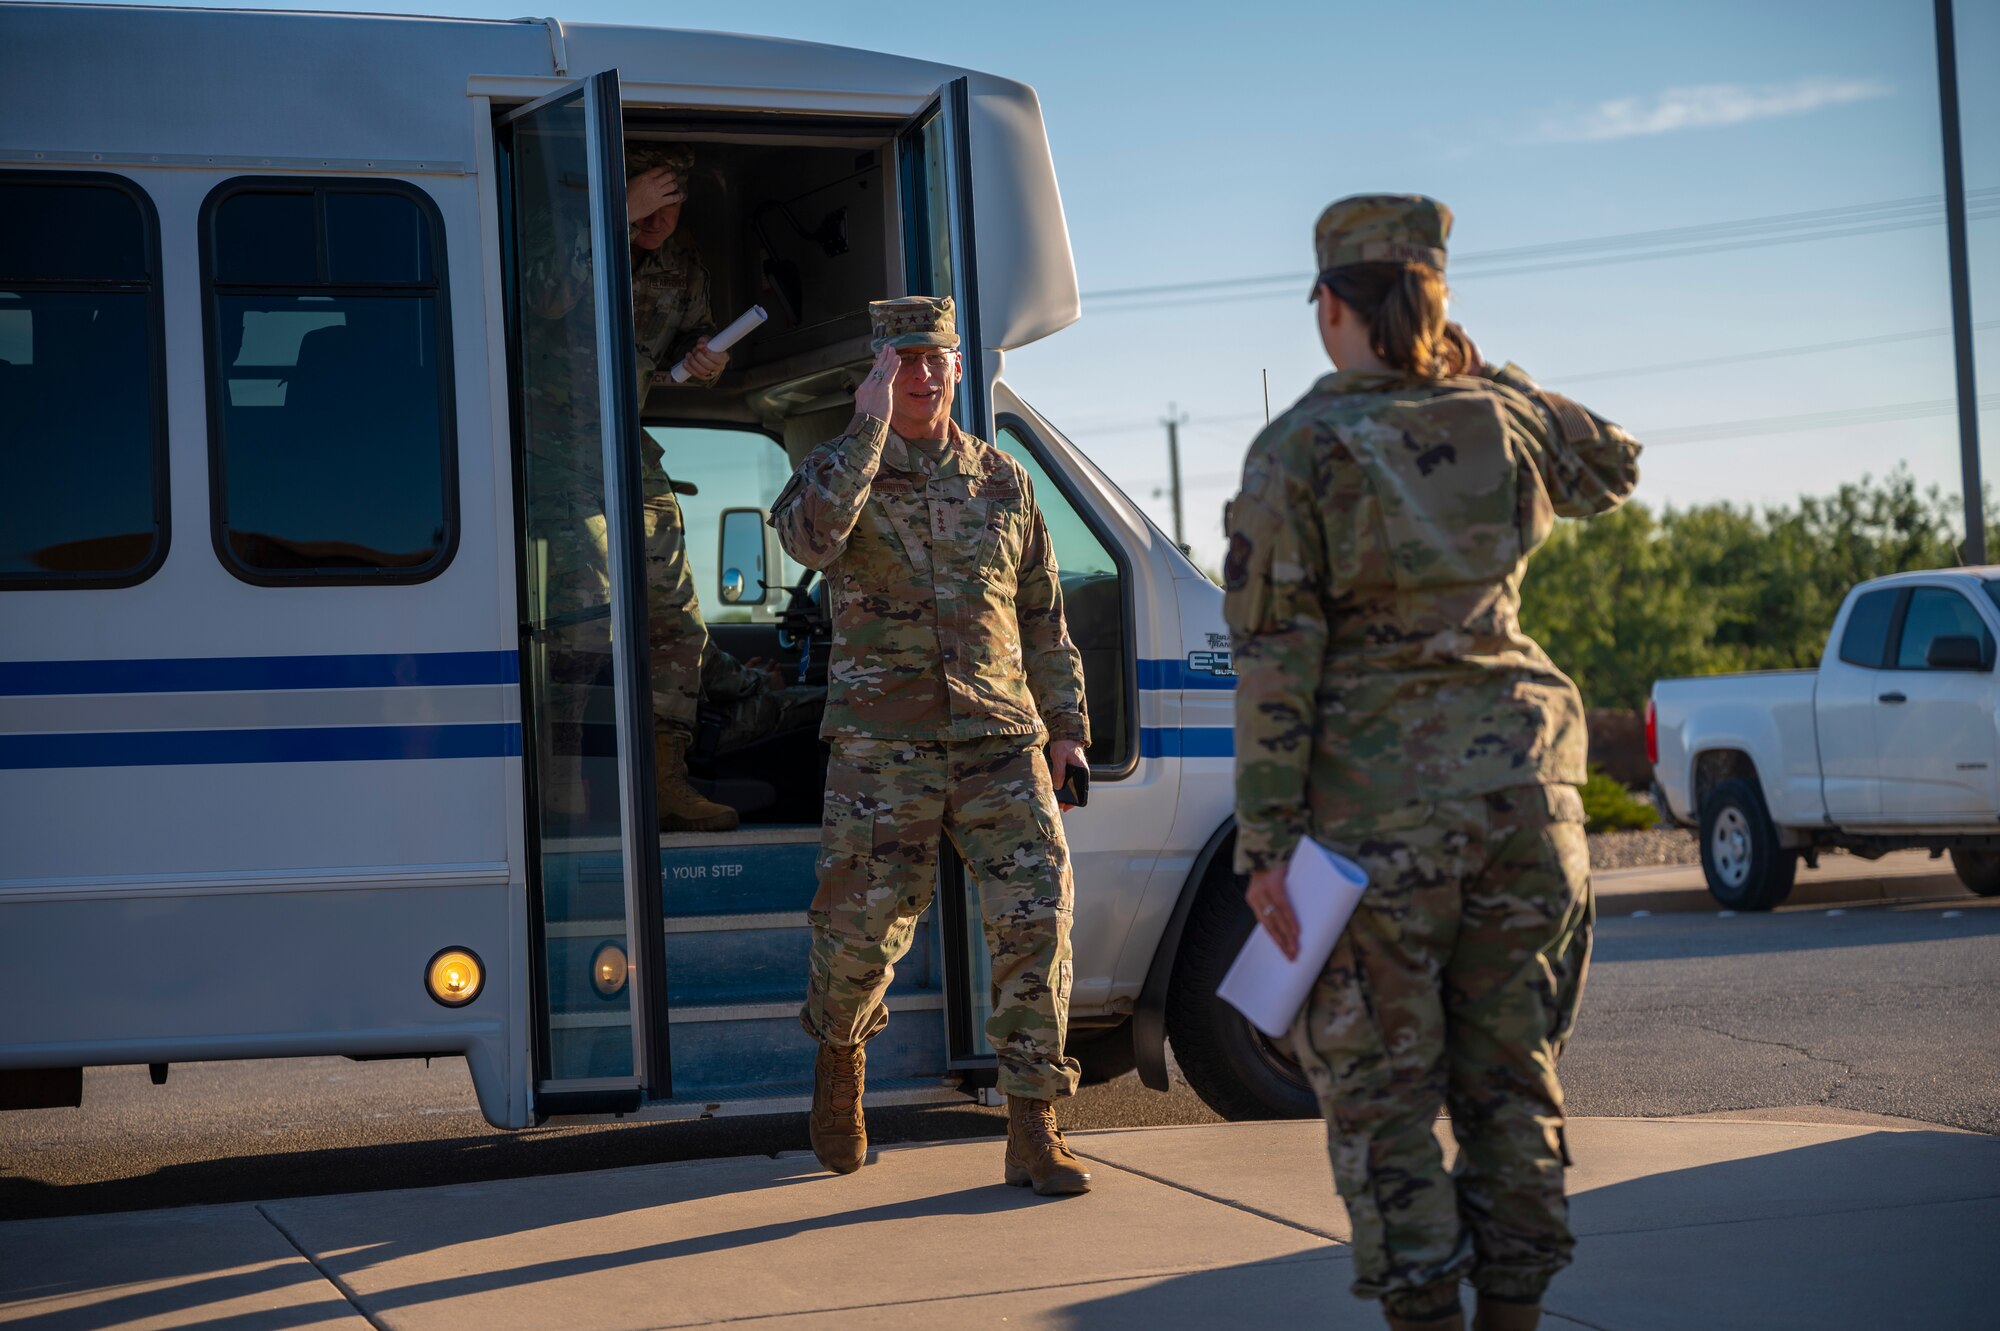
(913, 321)
(1381, 228)
(647, 155)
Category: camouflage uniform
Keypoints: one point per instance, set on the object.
(670, 313)
(1389, 705)
(951, 666)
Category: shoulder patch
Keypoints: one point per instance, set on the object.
(1573, 421)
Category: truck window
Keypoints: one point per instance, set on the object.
(1866, 641)
(329, 381)
(83, 493)
(1937, 612)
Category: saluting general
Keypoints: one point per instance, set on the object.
(1389, 706)
(951, 668)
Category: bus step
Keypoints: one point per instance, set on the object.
(738, 878)
(585, 880)
(792, 1097)
(762, 1044)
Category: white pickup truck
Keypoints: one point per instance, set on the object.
(1889, 745)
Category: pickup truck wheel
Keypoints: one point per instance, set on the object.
(1745, 866)
(1236, 1069)
(1979, 870)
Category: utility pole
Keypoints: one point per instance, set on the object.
(1173, 422)
(1961, 289)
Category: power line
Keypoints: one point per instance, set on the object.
(1772, 353)
(1227, 298)
(1128, 426)
(1711, 431)
(1811, 420)
(1667, 242)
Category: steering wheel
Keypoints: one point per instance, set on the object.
(802, 619)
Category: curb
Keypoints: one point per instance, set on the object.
(1613, 901)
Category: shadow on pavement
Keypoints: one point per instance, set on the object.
(1878, 1230)
(481, 1157)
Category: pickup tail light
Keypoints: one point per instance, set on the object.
(1652, 734)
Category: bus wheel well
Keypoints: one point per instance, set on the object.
(1237, 1070)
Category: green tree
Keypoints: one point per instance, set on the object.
(1631, 597)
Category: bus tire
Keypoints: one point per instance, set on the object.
(1745, 866)
(1237, 1070)
(1979, 870)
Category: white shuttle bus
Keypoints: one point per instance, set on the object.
(277, 771)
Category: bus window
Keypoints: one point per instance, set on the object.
(329, 381)
(83, 494)
(1093, 587)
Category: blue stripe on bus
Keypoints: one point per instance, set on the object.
(319, 744)
(212, 674)
(324, 744)
(1187, 742)
(1174, 674)
(215, 674)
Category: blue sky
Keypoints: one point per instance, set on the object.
(1198, 142)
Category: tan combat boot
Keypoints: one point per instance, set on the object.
(839, 1133)
(1499, 1315)
(1435, 1308)
(1036, 1152)
(682, 807)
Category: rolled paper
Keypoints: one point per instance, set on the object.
(739, 328)
(1268, 990)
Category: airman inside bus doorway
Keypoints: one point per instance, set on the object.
(672, 320)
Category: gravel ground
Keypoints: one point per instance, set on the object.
(1632, 850)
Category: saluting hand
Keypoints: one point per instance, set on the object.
(650, 191)
(1272, 906)
(874, 393)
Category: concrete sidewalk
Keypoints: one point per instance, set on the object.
(1840, 880)
(1706, 1222)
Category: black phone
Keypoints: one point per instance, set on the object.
(1075, 789)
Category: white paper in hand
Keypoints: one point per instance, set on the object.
(1269, 990)
(739, 328)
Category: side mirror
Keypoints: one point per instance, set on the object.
(742, 563)
(1956, 652)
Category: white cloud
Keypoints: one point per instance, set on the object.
(1704, 107)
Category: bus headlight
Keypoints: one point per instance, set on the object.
(455, 976)
(609, 969)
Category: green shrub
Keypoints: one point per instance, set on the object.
(1638, 595)
(1609, 807)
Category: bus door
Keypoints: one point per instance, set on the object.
(737, 935)
(934, 169)
(595, 925)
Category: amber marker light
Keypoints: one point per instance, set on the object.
(455, 976)
(609, 969)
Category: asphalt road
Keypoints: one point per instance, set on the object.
(1886, 1010)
